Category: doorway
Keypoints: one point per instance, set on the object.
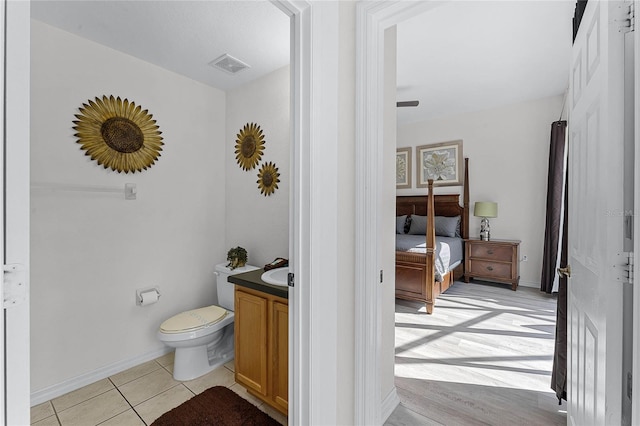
(75, 256)
(371, 80)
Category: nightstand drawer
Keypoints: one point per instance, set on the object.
(492, 251)
(489, 269)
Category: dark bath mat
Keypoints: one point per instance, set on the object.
(215, 406)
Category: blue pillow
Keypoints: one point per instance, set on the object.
(418, 225)
(401, 221)
(447, 226)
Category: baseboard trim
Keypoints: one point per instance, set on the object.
(389, 404)
(529, 284)
(54, 391)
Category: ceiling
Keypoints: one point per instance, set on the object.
(459, 57)
(181, 36)
(471, 55)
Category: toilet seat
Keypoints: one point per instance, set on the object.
(193, 320)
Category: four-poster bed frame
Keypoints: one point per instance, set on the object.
(415, 272)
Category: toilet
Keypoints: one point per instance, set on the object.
(203, 337)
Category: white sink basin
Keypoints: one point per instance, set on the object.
(276, 276)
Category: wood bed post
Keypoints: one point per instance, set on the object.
(431, 224)
(465, 199)
(431, 245)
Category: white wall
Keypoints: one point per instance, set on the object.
(508, 150)
(89, 251)
(257, 222)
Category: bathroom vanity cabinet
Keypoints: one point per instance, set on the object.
(261, 345)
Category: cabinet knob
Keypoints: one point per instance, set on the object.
(490, 251)
(490, 268)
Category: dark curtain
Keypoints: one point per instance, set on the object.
(555, 185)
(559, 372)
(581, 5)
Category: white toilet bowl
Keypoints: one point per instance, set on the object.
(199, 348)
(203, 338)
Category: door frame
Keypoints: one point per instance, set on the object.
(314, 36)
(3, 382)
(313, 208)
(372, 18)
(298, 397)
(17, 16)
(635, 396)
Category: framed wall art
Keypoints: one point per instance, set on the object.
(403, 168)
(441, 162)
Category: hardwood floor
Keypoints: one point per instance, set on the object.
(484, 357)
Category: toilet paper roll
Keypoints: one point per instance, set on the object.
(149, 297)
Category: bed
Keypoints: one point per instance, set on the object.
(427, 264)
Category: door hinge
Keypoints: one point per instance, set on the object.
(290, 281)
(625, 269)
(15, 285)
(628, 22)
(629, 385)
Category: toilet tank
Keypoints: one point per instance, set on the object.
(225, 288)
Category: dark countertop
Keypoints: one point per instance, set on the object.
(253, 281)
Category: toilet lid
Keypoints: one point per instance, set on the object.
(192, 320)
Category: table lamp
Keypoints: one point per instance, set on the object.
(485, 210)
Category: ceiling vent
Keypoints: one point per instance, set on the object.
(229, 64)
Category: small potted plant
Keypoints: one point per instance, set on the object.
(237, 257)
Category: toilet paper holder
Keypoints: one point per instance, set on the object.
(147, 296)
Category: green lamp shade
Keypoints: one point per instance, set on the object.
(485, 209)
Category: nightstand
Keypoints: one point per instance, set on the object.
(494, 260)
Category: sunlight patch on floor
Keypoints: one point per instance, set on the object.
(484, 348)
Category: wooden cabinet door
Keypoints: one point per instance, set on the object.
(251, 341)
(280, 356)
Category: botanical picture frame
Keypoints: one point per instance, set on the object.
(441, 162)
(403, 168)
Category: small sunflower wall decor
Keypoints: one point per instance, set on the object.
(249, 146)
(268, 178)
(118, 134)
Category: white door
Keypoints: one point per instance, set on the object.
(15, 123)
(596, 217)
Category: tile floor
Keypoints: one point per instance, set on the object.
(136, 397)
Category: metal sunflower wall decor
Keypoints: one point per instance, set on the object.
(268, 178)
(118, 134)
(249, 146)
